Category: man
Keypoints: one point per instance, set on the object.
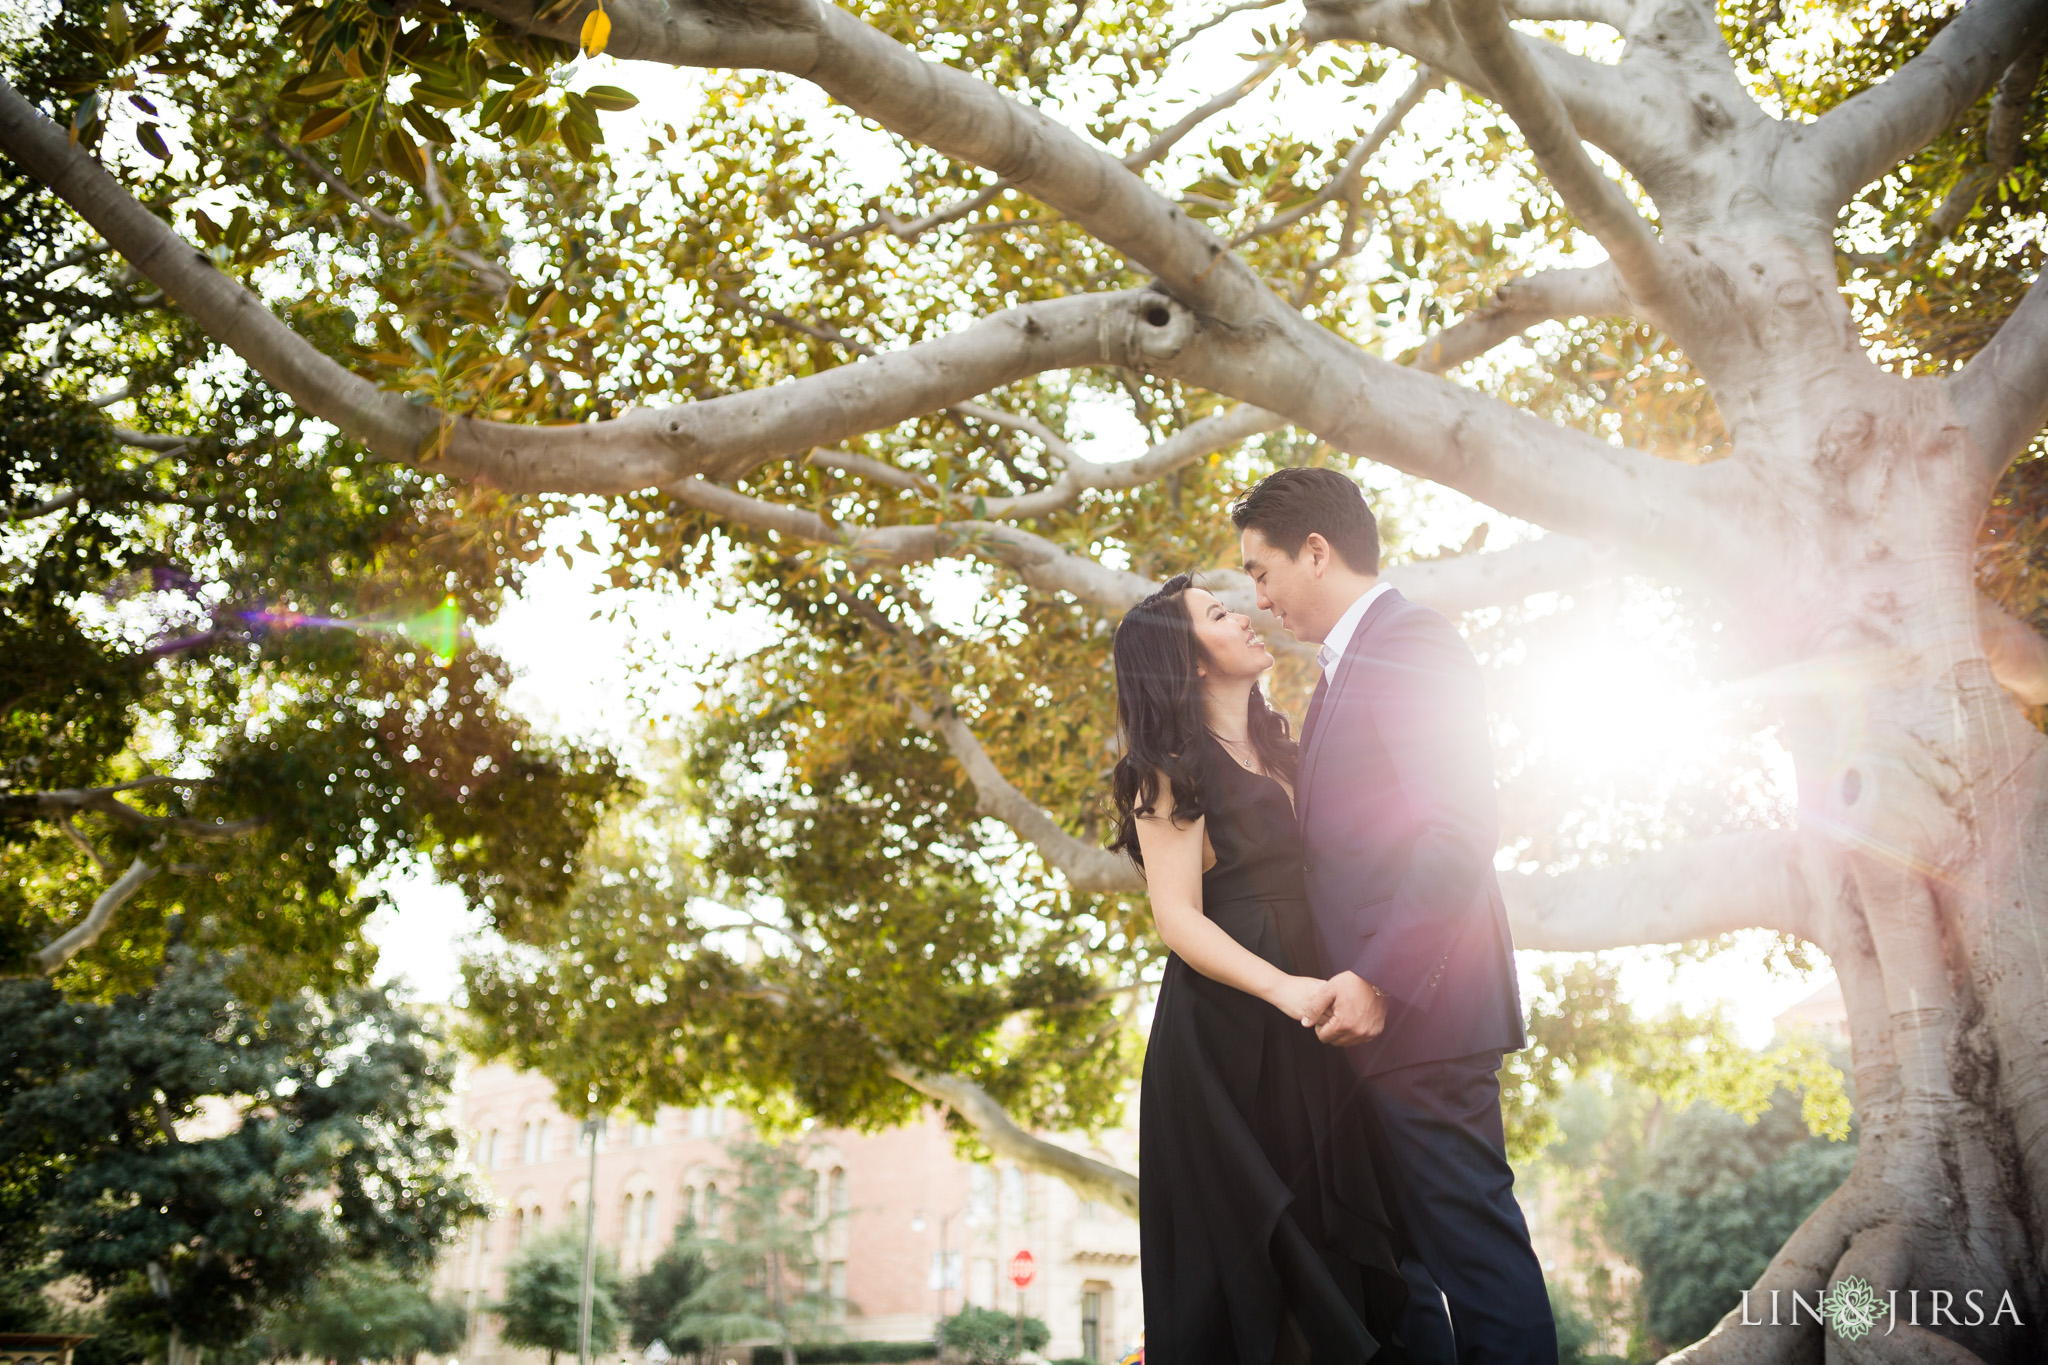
(1399, 822)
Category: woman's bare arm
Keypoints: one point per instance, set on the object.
(1173, 879)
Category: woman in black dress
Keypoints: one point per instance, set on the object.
(1265, 1239)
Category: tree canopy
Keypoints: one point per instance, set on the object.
(324, 1145)
(900, 310)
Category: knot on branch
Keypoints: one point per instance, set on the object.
(1149, 330)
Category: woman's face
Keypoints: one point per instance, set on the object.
(1230, 648)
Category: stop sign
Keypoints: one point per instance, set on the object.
(1023, 1269)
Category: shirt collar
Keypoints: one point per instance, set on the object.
(1339, 638)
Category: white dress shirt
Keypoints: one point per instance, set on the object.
(1339, 638)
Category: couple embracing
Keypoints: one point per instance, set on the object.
(1323, 1178)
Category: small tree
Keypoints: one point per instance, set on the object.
(989, 1336)
(368, 1311)
(762, 1276)
(543, 1296)
(1715, 1201)
(339, 1152)
(654, 1299)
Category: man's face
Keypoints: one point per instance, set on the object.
(1289, 586)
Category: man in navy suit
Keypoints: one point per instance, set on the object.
(1399, 822)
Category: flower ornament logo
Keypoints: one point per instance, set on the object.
(1853, 1307)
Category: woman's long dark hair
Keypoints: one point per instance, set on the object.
(1159, 715)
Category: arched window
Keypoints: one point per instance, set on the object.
(712, 1208)
(650, 1226)
(518, 1226)
(836, 1192)
(690, 1202)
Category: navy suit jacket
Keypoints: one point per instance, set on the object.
(1400, 823)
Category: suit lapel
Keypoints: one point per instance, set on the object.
(1327, 692)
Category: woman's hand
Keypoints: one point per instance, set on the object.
(1304, 999)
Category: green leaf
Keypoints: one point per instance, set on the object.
(313, 86)
(611, 99)
(152, 142)
(430, 127)
(360, 145)
(324, 122)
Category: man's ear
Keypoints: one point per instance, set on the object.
(1318, 551)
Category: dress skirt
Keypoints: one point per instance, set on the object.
(1266, 1238)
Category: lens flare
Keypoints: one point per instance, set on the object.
(441, 630)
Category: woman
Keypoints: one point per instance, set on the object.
(1265, 1239)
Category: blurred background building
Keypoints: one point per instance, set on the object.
(919, 1232)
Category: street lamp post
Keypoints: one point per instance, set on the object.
(593, 1129)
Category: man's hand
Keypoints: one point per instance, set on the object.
(1357, 1012)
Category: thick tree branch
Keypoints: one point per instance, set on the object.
(2002, 133)
(1593, 197)
(1605, 104)
(1038, 561)
(88, 930)
(1497, 577)
(1085, 866)
(65, 803)
(2016, 652)
(1865, 136)
(722, 437)
(1568, 481)
(948, 110)
(1702, 890)
(1518, 305)
(2002, 394)
(1091, 1179)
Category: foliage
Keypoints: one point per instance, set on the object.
(1579, 1025)
(849, 1353)
(1715, 1200)
(1576, 1332)
(247, 618)
(333, 1149)
(761, 1272)
(366, 1311)
(542, 1309)
(652, 1299)
(989, 1335)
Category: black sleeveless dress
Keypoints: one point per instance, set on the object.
(1265, 1236)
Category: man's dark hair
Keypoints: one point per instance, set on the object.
(1288, 504)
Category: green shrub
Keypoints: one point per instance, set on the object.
(850, 1353)
(989, 1336)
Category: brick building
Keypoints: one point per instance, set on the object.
(904, 1196)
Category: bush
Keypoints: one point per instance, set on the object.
(989, 1336)
(850, 1353)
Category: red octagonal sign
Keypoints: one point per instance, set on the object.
(1023, 1269)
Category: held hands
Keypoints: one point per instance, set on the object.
(1304, 998)
(1357, 1011)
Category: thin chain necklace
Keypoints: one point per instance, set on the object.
(1231, 747)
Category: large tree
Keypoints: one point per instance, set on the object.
(737, 351)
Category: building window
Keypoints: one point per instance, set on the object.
(718, 1121)
(1014, 1205)
(837, 1192)
(1092, 1321)
(711, 1210)
(835, 1286)
(490, 1162)
(981, 1196)
(649, 1228)
(981, 1283)
(700, 1122)
(689, 1209)
(518, 1226)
